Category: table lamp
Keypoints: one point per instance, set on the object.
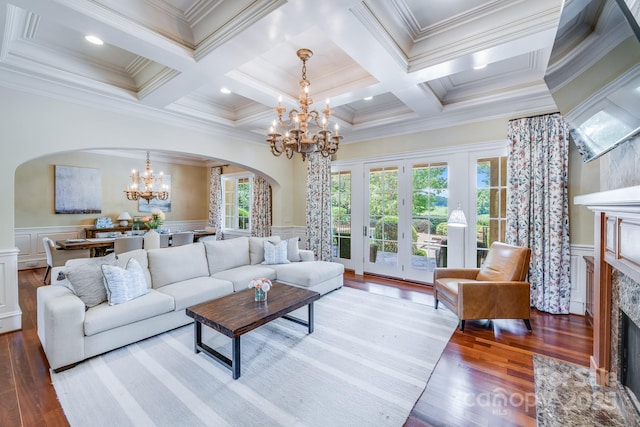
(124, 218)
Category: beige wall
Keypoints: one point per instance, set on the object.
(189, 189)
(490, 130)
(583, 178)
(47, 129)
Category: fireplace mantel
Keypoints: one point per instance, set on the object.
(616, 246)
(627, 199)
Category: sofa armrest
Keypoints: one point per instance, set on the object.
(306, 255)
(502, 300)
(60, 325)
(456, 273)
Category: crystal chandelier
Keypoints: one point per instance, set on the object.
(304, 133)
(147, 186)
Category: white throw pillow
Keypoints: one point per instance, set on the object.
(124, 284)
(256, 247)
(86, 280)
(293, 252)
(275, 254)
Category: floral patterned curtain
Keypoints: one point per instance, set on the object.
(319, 206)
(215, 201)
(538, 208)
(261, 208)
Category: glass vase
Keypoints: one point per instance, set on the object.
(260, 295)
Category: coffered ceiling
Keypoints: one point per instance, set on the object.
(169, 59)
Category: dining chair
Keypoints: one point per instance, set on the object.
(182, 238)
(126, 244)
(164, 240)
(58, 257)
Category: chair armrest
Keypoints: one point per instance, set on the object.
(306, 255)
(456, 273)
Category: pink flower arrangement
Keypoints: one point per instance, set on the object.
(154, 220)
(261, 284)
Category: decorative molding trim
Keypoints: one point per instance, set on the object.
(157, 81)
(368, 18)
(579, 278)
(237, 24)
(434, 152)
(10, 313)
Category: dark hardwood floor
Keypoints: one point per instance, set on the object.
(484, 377)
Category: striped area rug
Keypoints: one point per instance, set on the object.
(366, 364)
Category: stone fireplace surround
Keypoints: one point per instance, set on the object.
(616, 282)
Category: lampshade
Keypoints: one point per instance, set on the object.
(457, 218)
(124, 218)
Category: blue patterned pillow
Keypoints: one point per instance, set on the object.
(124, 284)
(275, 254)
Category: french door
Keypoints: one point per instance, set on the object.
(406, 207)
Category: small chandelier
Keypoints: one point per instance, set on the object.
(298, 137)
(147, 186)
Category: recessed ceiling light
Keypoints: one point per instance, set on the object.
(94, 40)
(368, 98)
(480, 67)
(225, 90)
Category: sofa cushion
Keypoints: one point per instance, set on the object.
(194, 291)
(256, 247)
(140, 255)
(309, 273)
(104, 317)
(87, 282)
(275, 253)
(505, 263)
(175, 264)
(124, 284)
(448, 289)
(225, 254)
(241, 276)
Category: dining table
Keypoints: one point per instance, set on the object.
(98, 246)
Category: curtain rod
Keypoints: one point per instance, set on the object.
(538, 115)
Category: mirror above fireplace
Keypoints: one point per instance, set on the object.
(594, 74)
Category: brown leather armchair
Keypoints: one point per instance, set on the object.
(496, 290)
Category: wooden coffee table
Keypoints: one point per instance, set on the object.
(236, 314)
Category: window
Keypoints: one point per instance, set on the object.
(491, 203)
(429, 213)
(237, 191)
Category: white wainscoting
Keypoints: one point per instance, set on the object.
(285, 232)
(579, 278)
(292, 231)
(29, 240)
(10, 314)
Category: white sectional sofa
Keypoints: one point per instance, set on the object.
(176, 278)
